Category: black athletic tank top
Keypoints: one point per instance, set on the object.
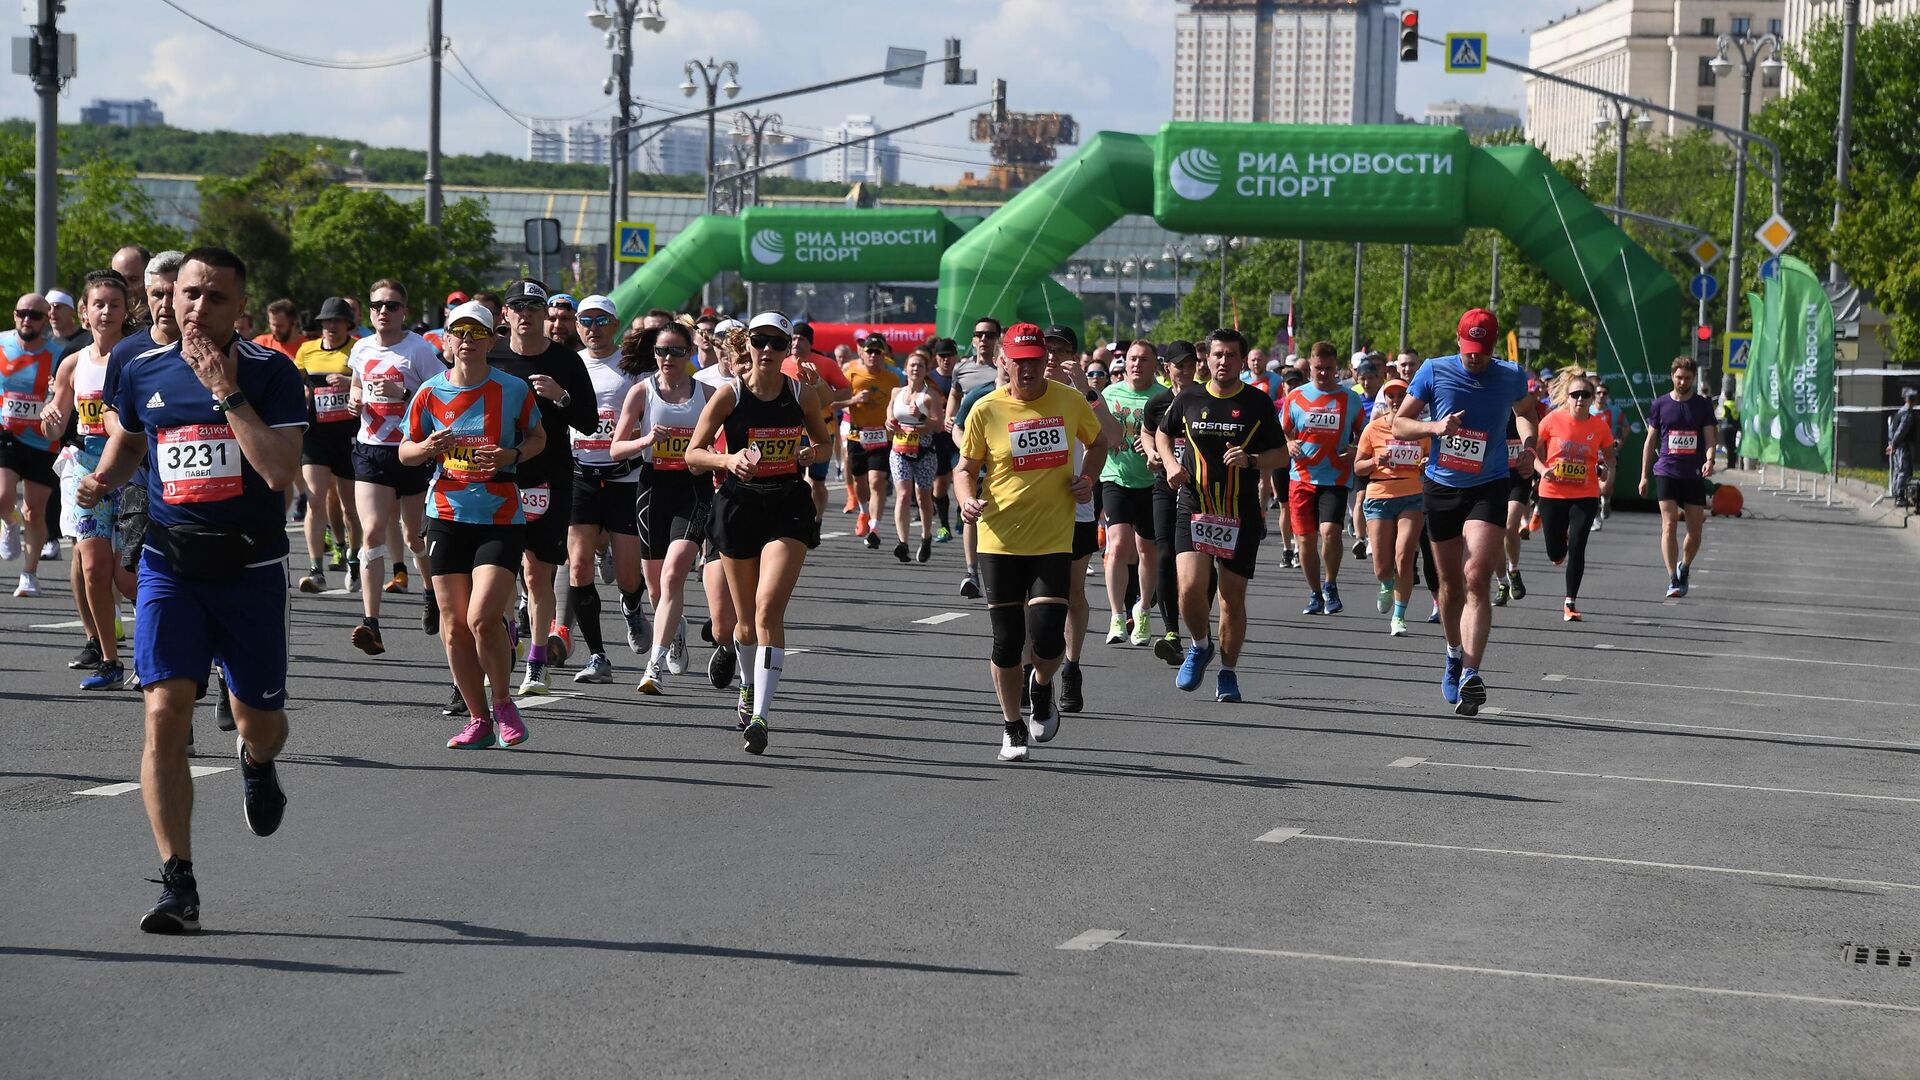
(774, 428)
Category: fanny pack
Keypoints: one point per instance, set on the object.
(606, 472)
(203, 553)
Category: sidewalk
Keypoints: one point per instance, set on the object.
(1848, 502)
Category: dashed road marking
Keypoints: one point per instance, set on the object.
(1496, 710)
(1404, 762)
(1734, 690)
(196, 771)
(943, 617)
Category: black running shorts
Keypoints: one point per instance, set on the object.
(456, 547)
(1450, 508)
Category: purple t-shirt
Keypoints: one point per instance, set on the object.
(1680, 434)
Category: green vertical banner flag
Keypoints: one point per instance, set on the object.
(1756, 407)
(1801, 382)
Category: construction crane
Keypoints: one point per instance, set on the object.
(1022, 144)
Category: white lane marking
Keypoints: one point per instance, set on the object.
(1278, 835)
(1090, 940)
(1093, 939)
(553, 698)
(1754, 656)
(70, 624)
(1553, 678)
(1772, 631)
(1734, 690)
(831, 535)
(196, 771)
(1701, 727)
(943, 617)
(1403, 762)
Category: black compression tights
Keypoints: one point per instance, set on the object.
(1568, 523)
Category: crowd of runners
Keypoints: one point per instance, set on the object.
(522, 449)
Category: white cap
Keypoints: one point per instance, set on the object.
(472, 311)
(596, 302)
(725, 326)
(774, 319)
(55, 296)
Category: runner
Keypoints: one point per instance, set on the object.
(831, 396)
(566, 399)
(221, 418)
(1322, 421)
(1617, 424)
(1679, 453)
(283, 333)
(730, 361)
(914, 411)
(1393, 506)
(1020, 439)
(1508, 584)
(562, 322)
(867, 455)
(981, 370)
(604, 487)
(474, 425)
(438, 337)
(657, 420)
(326, 451)
(27, 367)
(945, 357)
(1126, 495)
(1179, 365)
(130, 527)
(1469, 395)
(79, 391)
(1368, 377)
(761, 521)
(1063, 366)
(1576, 453)
(1229, 428)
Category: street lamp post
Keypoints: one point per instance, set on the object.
(615, 19)
(757, 129)
(710, 71)
(1224, 245)
(1749, 49)
(1116, 271)
(1618, 114)
(1137, 265)
(1179, 255)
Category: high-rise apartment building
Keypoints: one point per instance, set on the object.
(1801, 15)
(546, 142)
(1477, 119)
(1657, 50)
(121, 113)
(1286, 61)
(869, 161)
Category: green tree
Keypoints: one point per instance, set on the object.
(348, 238)
(101, 211)
(16, 214)
(252, 215)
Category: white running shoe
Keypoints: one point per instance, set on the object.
(1013, 741)
(1142, 624)
(677, 650)
(50, 549)
(29, 585)
(10, 534)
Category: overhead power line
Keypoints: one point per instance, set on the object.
(366, 64)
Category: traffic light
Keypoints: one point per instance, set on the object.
(1703, 346)
(999, 101)
(1409, 36)
(953, 61)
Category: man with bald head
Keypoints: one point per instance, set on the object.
(27, 364)
(131, 262)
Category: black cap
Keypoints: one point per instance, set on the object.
(805, 330)
(1910, 393)
(1178, 350)
(1064, 333)
(944, 346)
(1366, 367)
(334, 307)
(876, 341)
(526, 290)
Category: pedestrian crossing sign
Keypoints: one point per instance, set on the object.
(636, 241)
(1466, 54)
(1737, 347)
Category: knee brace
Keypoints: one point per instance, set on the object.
(1010, 634)
(1047, 625)
(370, 555)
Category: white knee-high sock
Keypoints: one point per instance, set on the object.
(766, 677)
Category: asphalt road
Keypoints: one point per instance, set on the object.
(1644, 859)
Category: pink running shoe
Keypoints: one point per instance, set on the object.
(477, 733)
(513, 730)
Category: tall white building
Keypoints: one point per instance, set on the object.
(546, 142)
(1286, 61)
(874, 159)
(784, 152)
(1657, 50)
(1476, 118)
(1801, 16)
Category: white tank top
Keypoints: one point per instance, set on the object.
(610, 386)
(89, 404)
(673, 421)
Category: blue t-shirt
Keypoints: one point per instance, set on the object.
(1464, 459)
(131, 346)
(498, 412)
(197, 474)
(26, 385)
(967, 403)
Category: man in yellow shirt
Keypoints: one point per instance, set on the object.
(1023, 436)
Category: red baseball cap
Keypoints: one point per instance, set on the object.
(456, 297)
(1477, 331)
(1023, 341)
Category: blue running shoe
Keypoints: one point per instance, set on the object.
(1450, 682)
(1332, 593)
(261, 798)
(1199, 657)
(1680, 579)
(1226, 685)
(1315, 606)
(1473, 693)
(108, 676)
(178, 911)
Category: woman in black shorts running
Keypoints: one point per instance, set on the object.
(762, 520)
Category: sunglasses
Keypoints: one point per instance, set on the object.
(769, 341)
(470, 333)
(670, 352)
(1096, 373)
(945, 355)
(527, 307)
(387, 305)
(1579, 393)
(594, 322)
(989, 334)
(27, 313)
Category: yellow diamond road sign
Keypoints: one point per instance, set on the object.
(1706, 252)
(1776, 234)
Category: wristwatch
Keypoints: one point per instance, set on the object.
(230, 402)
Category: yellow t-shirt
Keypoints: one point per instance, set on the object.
(882, 382)
(314, 360)
(1028, 450)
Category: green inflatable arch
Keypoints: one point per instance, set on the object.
(1376, 183)
(829, 244)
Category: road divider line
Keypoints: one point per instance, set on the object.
(1754, 656)
(553, 698)
(1732, 690)
(195, 771)
(832, 535)
(1407, 762)
(70, 624)
(1094, 939)
(943, 617)
(1282, 835)
(1499, 711)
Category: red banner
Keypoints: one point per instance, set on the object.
(904, 337)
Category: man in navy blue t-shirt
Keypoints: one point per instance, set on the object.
(1470, 395)
(221, 420)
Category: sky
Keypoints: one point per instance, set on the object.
(1107, 62)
